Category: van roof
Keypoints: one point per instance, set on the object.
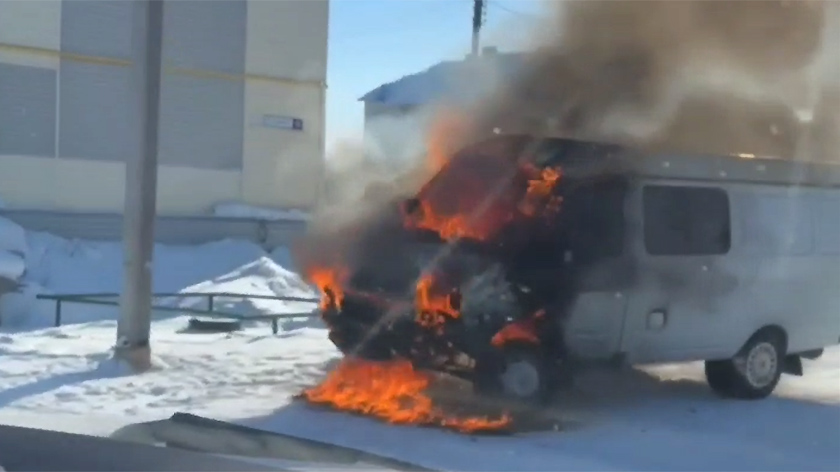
(678, 165)
(738, 168)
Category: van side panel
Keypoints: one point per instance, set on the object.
(782, 268)
(669, 315)
(790, 240)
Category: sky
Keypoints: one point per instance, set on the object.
(373, 42)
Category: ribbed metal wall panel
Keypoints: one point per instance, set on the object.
(27, 110)
(202, 117)
(206, 35)
(201, 122)
(97, 28)
(168, 230)
(96, 118)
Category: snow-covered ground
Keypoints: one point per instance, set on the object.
(59, 378)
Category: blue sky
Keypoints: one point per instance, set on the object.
(372, 42)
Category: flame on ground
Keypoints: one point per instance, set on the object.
(395, 392)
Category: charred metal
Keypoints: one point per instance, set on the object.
(514, 283)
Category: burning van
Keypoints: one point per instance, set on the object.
(523, 259)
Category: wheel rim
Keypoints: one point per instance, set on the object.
(520, 379)
(761, 365)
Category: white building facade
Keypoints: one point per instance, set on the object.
(242, 104)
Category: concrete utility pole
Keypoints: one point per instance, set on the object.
(478, 19)
(141, 188)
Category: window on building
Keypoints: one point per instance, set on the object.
(686, 221)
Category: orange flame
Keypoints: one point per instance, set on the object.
(524, 331)
(433, 310)
(329, 282)
(392, 391)
(539, 191)
(447, 227)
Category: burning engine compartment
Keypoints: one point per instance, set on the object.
(468, 263)
(453, 280)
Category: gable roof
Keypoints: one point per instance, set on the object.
(459, 81)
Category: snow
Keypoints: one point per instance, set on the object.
(657, 418)
(12, 237)
(59, 266)
(241, 374)
(12, 265)
(239, 210)
(12, 250)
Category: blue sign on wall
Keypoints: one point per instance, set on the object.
(282, 122)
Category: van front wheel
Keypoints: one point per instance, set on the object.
(517, 373)
(754, 372)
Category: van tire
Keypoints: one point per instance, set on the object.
(754, 372)
(496, 375)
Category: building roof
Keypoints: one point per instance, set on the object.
(448, 80)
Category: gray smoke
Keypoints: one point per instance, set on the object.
(697, 76)
(702, 76)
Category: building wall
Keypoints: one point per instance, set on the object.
(287, 61)
(66, 121)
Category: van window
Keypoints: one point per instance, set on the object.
(686, 221)
(594, 216)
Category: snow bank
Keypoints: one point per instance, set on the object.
(47, 264)
(13, 250)
(262, 277)
(12, 265)
(238, 210)
(12, 237)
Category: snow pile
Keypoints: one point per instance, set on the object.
(12, 250)
(54, 265)
(238, 210)
(262, 277)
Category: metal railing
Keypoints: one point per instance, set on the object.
(112, 299)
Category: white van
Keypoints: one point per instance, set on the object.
(734, 260)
